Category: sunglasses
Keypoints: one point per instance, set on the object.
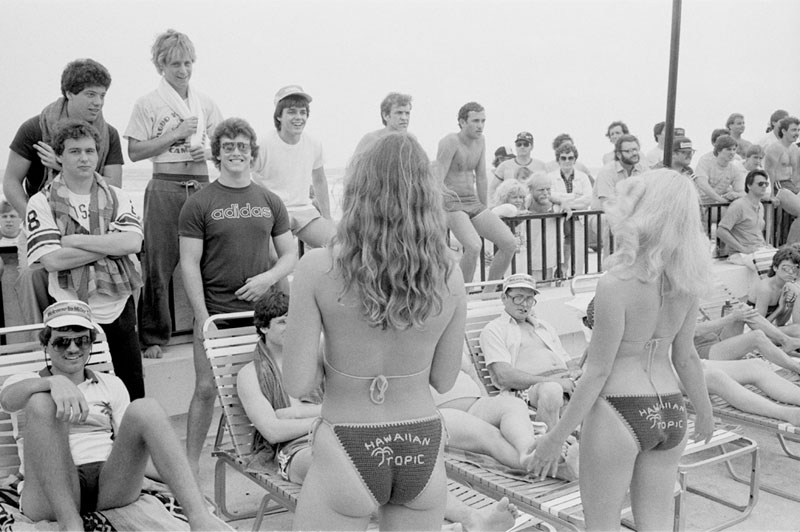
(62, 343)
(566, 158)
(762, 184)
(522, 144)
(228, 147)
(519, 300)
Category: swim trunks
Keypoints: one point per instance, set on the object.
(468, 204)
(394, 460)
(89, 477)
(657, 423)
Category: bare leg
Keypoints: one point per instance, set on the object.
(652, 488)
(51, 480)
(201, 407)
(512, 416)
(607, 457)
(491, 227)
(145, 432)
(317, 233)
(736, 347)
(465, 233)
(469, 433)
(547, 398)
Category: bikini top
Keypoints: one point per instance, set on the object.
(770, 309)
(379, 384)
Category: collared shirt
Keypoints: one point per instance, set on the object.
(607, 178)
(501, 340)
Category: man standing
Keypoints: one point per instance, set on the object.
(461, 161)
(735, 124)
(524, 353)
(86, 234)
(170, 126)
(395, 115)
(83, 445)
(289, 162)
(788, 132)
(508, 169)
(32, 162)
(225, 231)
(626, 164)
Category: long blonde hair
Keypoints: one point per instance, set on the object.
(391, 247)
(655, 219)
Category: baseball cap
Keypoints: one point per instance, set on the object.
(681, 143)
(524, 136)
(69, 312)
(520, 280)
(291, 90)
(503, 151)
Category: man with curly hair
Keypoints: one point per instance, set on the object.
(225, 232)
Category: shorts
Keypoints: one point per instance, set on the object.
(300, 217)
(89, 477)
(470, 205)
(287, 452)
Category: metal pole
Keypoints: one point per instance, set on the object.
(672, 87)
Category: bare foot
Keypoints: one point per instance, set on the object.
(153, 351)
(496, 518)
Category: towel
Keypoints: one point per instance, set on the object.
(48, 122)
(184, 111)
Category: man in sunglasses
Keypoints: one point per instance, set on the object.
(508, 169)
(86, 234)
(741, 227)
(225, 231)
(83, 445)
(524, 353)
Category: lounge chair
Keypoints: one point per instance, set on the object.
(560, 500)
(711, 307)
(150, 511)
(228, 350)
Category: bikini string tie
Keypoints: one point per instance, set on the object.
(377, 389)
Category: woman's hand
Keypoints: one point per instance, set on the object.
(703, 428)
(547, 451)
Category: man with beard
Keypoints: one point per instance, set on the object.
(626, 163)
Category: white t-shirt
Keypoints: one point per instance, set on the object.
(91, 440)
(285, 169)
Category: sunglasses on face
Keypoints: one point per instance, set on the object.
(228, 147)
(762, 184)
(519, 300)
(62, 343)
(522, 144)
(566, 158)
(786, 268)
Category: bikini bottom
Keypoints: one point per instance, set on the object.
(394, 460)
(656, 423)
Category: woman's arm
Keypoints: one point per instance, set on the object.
(607, 334)
(447, 356)
(690, 371)
(304, 326)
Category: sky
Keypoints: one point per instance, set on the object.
(544, 66)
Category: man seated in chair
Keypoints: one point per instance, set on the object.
(83, 445)
(524, 353)
(281, 442)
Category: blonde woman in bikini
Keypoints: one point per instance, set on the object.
(629, 399)
(390, 301)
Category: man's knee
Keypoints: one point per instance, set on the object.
(40, 407)
(471, 246)
(205, 391)
(550, 396)
(759, 338)
(144, 410)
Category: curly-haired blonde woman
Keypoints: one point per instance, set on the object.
(390, 301)
(629, 399)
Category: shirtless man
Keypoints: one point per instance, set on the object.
(462, 165)
(395, 115)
